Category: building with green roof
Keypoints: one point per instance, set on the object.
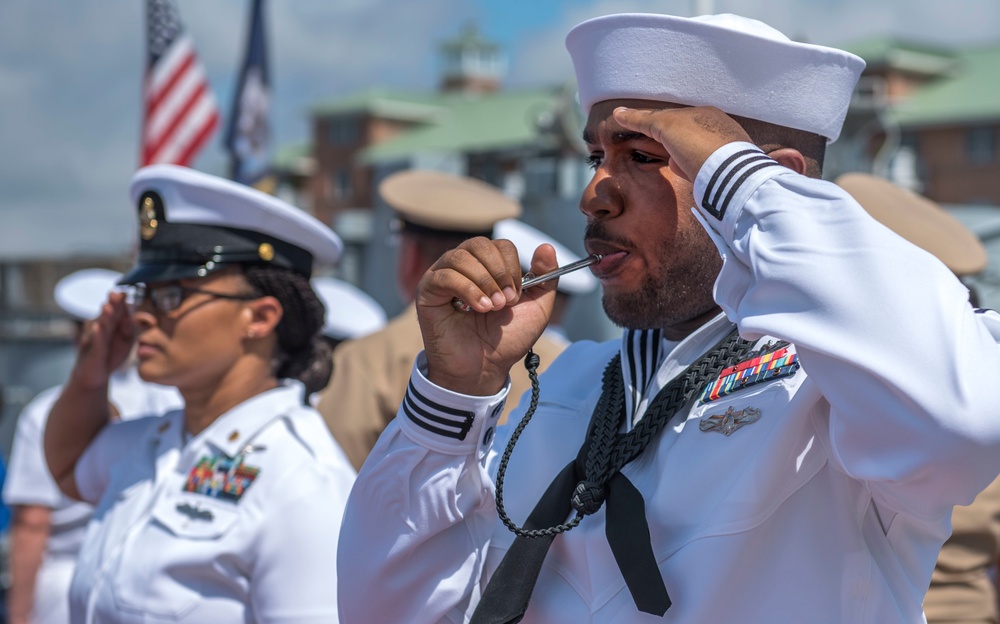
(525, 142)
(938, 114)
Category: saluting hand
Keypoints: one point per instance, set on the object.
(472, 352)
(105, 343)
(690, 135)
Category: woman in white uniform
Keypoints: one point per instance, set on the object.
(229, 509)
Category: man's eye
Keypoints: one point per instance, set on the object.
(643, 159)
(594, 161)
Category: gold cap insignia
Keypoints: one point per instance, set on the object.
(147, 219)
(234, 436)
(266, 252)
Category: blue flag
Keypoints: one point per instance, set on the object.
(248, 135)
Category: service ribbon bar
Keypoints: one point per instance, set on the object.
(773, 365)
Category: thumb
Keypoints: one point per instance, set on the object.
(544, 261)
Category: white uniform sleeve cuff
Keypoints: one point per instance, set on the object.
(727, 180)
(446, 421)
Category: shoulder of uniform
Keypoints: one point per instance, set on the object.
(308, 433)
(576, 368)
(132, 433)
(550, 349)
(296, 457)
(589, 348)
(40, 405)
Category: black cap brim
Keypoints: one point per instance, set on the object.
(166, 272)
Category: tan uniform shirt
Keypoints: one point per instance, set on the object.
(962, 589)
(369, 380)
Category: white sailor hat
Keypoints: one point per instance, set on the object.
(192, 223)
(81, 294)
(527, 239)
(740, 65)
(446, 204)
(350, 312)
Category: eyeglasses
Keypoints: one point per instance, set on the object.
(169, 297)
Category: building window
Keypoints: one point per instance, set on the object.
(541, 176)
(342, 131)
(981, 145)
(342, 183)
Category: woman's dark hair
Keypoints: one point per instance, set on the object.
(301, 353)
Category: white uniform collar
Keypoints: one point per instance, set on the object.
(232, 431)
(649, 360)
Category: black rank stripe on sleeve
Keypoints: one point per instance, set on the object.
(728, 178)
(436, 418)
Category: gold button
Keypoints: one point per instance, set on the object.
(266, 252)
(234, 436)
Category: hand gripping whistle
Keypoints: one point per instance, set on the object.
(530, 280)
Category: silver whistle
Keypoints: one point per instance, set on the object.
(530, 279)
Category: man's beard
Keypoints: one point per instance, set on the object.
(676, 295)
(659, 303)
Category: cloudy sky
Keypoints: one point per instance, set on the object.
(70, 74)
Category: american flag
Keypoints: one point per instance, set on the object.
(180, 110)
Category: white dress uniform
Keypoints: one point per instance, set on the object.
(829, 508)
(28, 482)
(221, 528)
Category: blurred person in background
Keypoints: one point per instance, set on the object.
(351, 313)
(963, 587)
(436, 212)
(226, 510)
(48, 527)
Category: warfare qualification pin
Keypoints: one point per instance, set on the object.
(729, 422)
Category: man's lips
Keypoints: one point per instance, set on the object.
(613, 257)
(145, 348)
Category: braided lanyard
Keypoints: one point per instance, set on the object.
(609, 450)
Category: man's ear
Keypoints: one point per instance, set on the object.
(791, 158)
(265, 314)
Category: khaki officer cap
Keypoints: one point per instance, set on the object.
(918, 220)
(447, 203)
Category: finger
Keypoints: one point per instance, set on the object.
(499, 259)
(657, 125)
(121, 314)
(512, 286)
(462, 274)
(643, 121)
(105, 326)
